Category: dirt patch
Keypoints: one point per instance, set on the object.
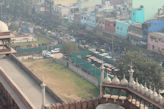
(58, 55)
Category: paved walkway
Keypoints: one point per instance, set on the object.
(26, 84)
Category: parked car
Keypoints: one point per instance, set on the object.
(56, 50)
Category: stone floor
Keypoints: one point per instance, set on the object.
(25, 83)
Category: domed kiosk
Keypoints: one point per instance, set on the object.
(109, 106)
(5, 40)
(3, 27)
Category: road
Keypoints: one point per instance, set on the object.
(25, 83)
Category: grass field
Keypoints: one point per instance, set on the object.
(64, 82)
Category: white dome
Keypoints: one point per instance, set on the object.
(141, 88)
(124, 81)
(155, 95)
(137, 85)
(107, 79)
(115, 80)
(146, 89)
(162, 101)
(3, 27)
(150, 92)
(132, 83)
(159, 97)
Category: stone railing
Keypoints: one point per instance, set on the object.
(130, 89)
(9, 100)
(92, 104)
(4, 33)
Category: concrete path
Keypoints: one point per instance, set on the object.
(26, 84)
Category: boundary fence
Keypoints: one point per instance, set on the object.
(37, 49)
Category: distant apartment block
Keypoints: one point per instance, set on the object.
(156, 42)
(110, 25)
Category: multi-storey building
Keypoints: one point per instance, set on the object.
(151, 7)
(154, 25)
(110, 25)
(100, 24)
(91, 20)
(45, 6)
(122, 27)
(135, 34)
(156, 42)
(137, 15)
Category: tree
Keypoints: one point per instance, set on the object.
(145, 69)
(68, 48)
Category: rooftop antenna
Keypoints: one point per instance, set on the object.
(79, 3)
(1, 4)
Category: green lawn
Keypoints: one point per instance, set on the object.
(64, 82)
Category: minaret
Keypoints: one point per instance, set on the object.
(102, 78)
(131, 71)
(43, 85)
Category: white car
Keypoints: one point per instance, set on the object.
(56, 50)
(47, 54)
(108, 57)
(73, 39)
(104, 54)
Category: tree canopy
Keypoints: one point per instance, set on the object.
(69, 47)
(145, 69)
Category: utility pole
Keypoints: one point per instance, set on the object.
(1, 12)
(14, 10)
(102, 78)
(51, 6)
(130, 7)
(79, 2)
(1, 4)
(112, 47)
(45, 9)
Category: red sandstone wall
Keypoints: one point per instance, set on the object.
(15, 89)
(9, 100)
(91, 104)
(87, 104)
